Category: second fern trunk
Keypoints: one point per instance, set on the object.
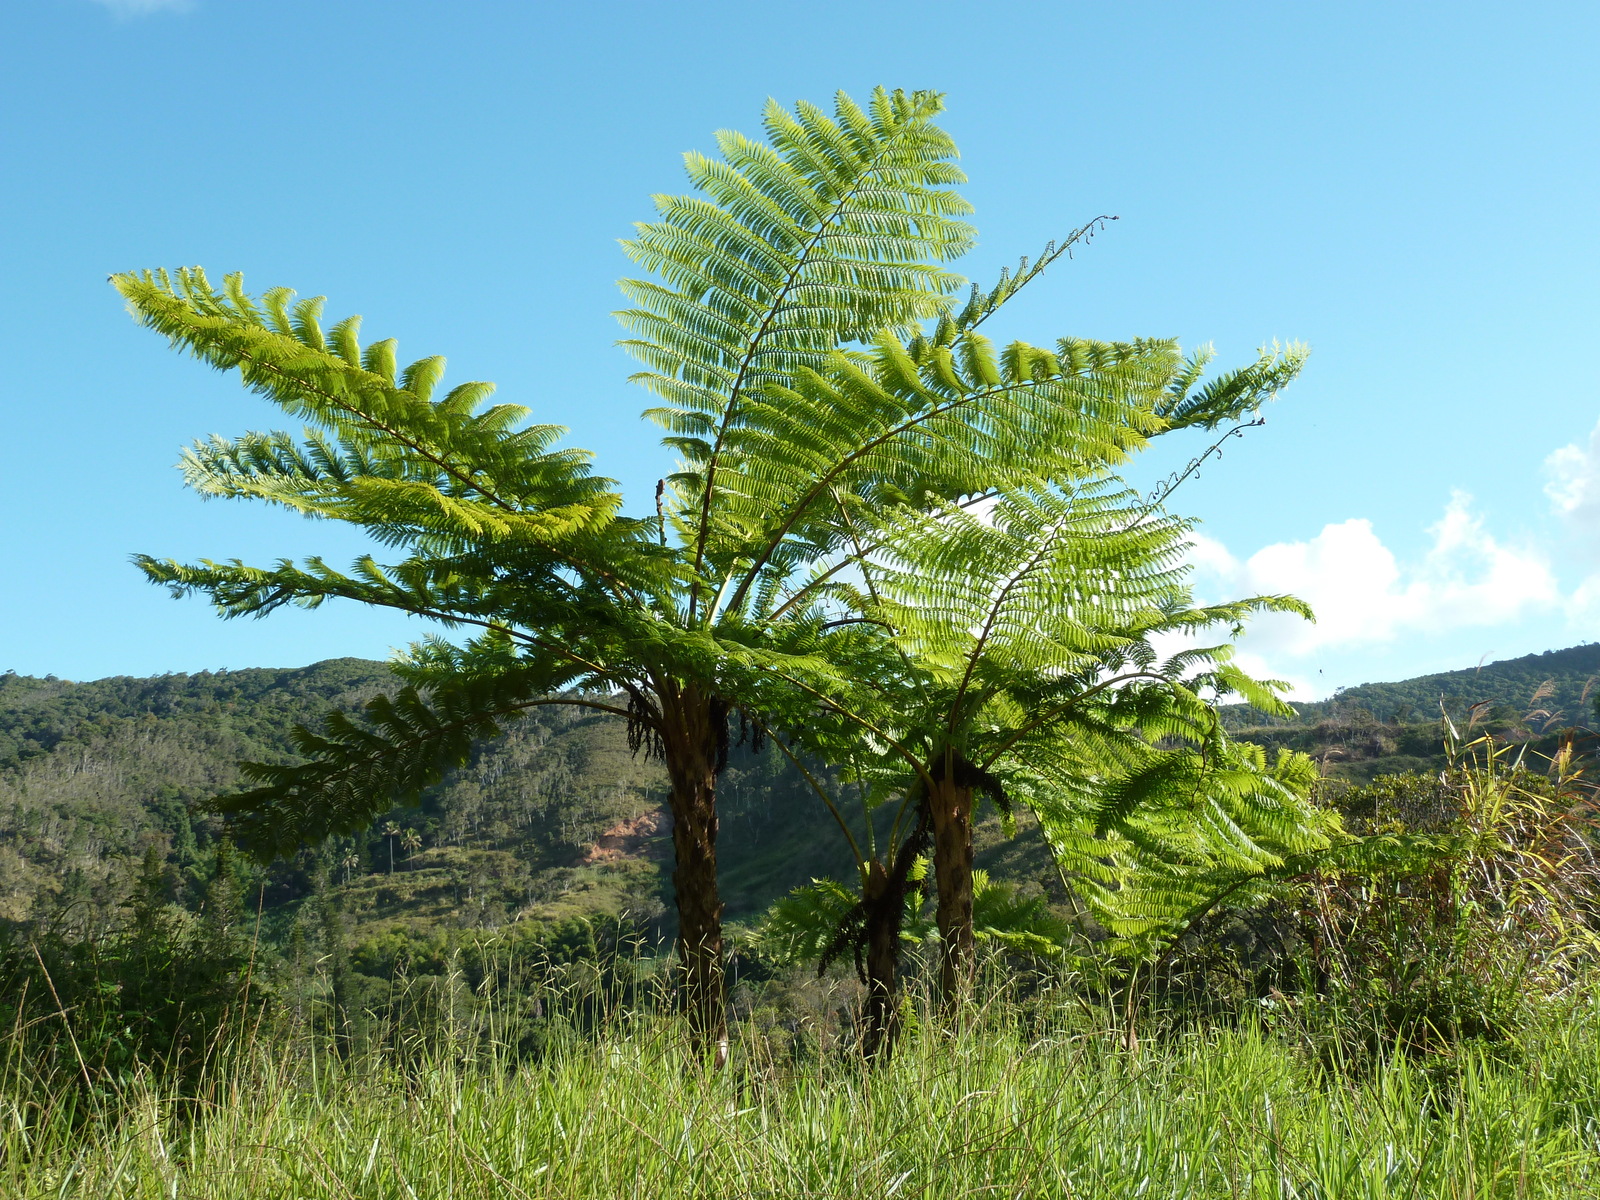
(884, 903)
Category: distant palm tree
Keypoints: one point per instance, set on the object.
(351, 862)
(412, 841)
(390, 832)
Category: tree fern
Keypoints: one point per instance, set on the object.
(823, 393)
(1029, 669)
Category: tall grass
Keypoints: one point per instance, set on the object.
(623, 1111)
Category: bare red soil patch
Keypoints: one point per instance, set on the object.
(628, 839)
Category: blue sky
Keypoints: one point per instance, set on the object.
(1408, 188)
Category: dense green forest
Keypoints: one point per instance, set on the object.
(556, 820)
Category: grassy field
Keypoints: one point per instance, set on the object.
(1240, 1112)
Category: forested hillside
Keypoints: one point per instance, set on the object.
(93, 773)
(1558, 686)
(553, 821)
(1390, 728)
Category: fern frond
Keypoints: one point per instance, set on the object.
(458, 453)
(831, 232)
(1190, 402)
(355, 770)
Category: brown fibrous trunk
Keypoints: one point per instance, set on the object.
(690, 736)
(950, 810)
(883, 902)
(884, 909)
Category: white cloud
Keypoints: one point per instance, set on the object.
(145, 8)
(1383, 617)
(1569, 477)
(1365, 597)
(1583, 606)
(1572, 482)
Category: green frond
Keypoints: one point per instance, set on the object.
(982, 305)
(468, 457)
(800, 927)
(831, 231)
(805, 925)
(1190, 401)
(356, 770)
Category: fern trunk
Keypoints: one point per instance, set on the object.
(884, 907)
(691, 734)
(950, 810)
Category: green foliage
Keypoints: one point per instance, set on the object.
(1504, 913)
(405, 745)
(525, 986)
(1192, 400)
(109, 768)
(825, 235)
(1457, 907)
(1200, 830)
(160, 996)
(446, 479)
(804, 926)
(254, 707)
(1029, 639)
(380, 449)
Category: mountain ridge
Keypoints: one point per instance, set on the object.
(1573, 674)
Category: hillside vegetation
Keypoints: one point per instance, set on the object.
(1378, 729)
(1546, 689)
(556, 820)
